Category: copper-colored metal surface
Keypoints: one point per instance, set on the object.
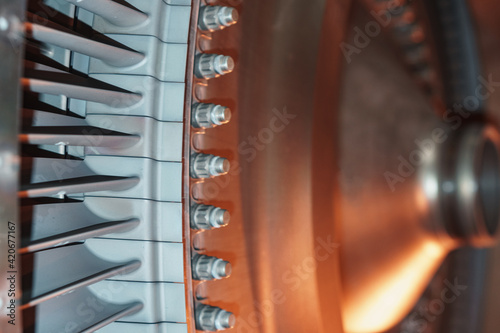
(280, 280)
(283, 245)
(383, 241)
(395, 226)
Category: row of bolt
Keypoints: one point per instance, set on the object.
(203, 166)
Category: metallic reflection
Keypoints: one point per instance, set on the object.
(411, 188)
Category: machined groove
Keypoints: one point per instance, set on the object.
(116, 99)
(37, 116)
(58, 271)
(112, 55)
(131, 309)
(77, 136)
(112, 12)
(53, 315)
(86, 281)
(80, 234)
(77, 185)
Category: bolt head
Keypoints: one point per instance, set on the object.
(225, 320)
(221, 115)
(228, 16)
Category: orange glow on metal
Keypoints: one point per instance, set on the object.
(390, 298)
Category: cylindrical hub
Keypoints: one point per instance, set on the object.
(468, 174)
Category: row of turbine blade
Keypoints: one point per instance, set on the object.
(101, 177)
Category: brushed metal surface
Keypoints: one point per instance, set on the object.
(382, 113)
(282, 240)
